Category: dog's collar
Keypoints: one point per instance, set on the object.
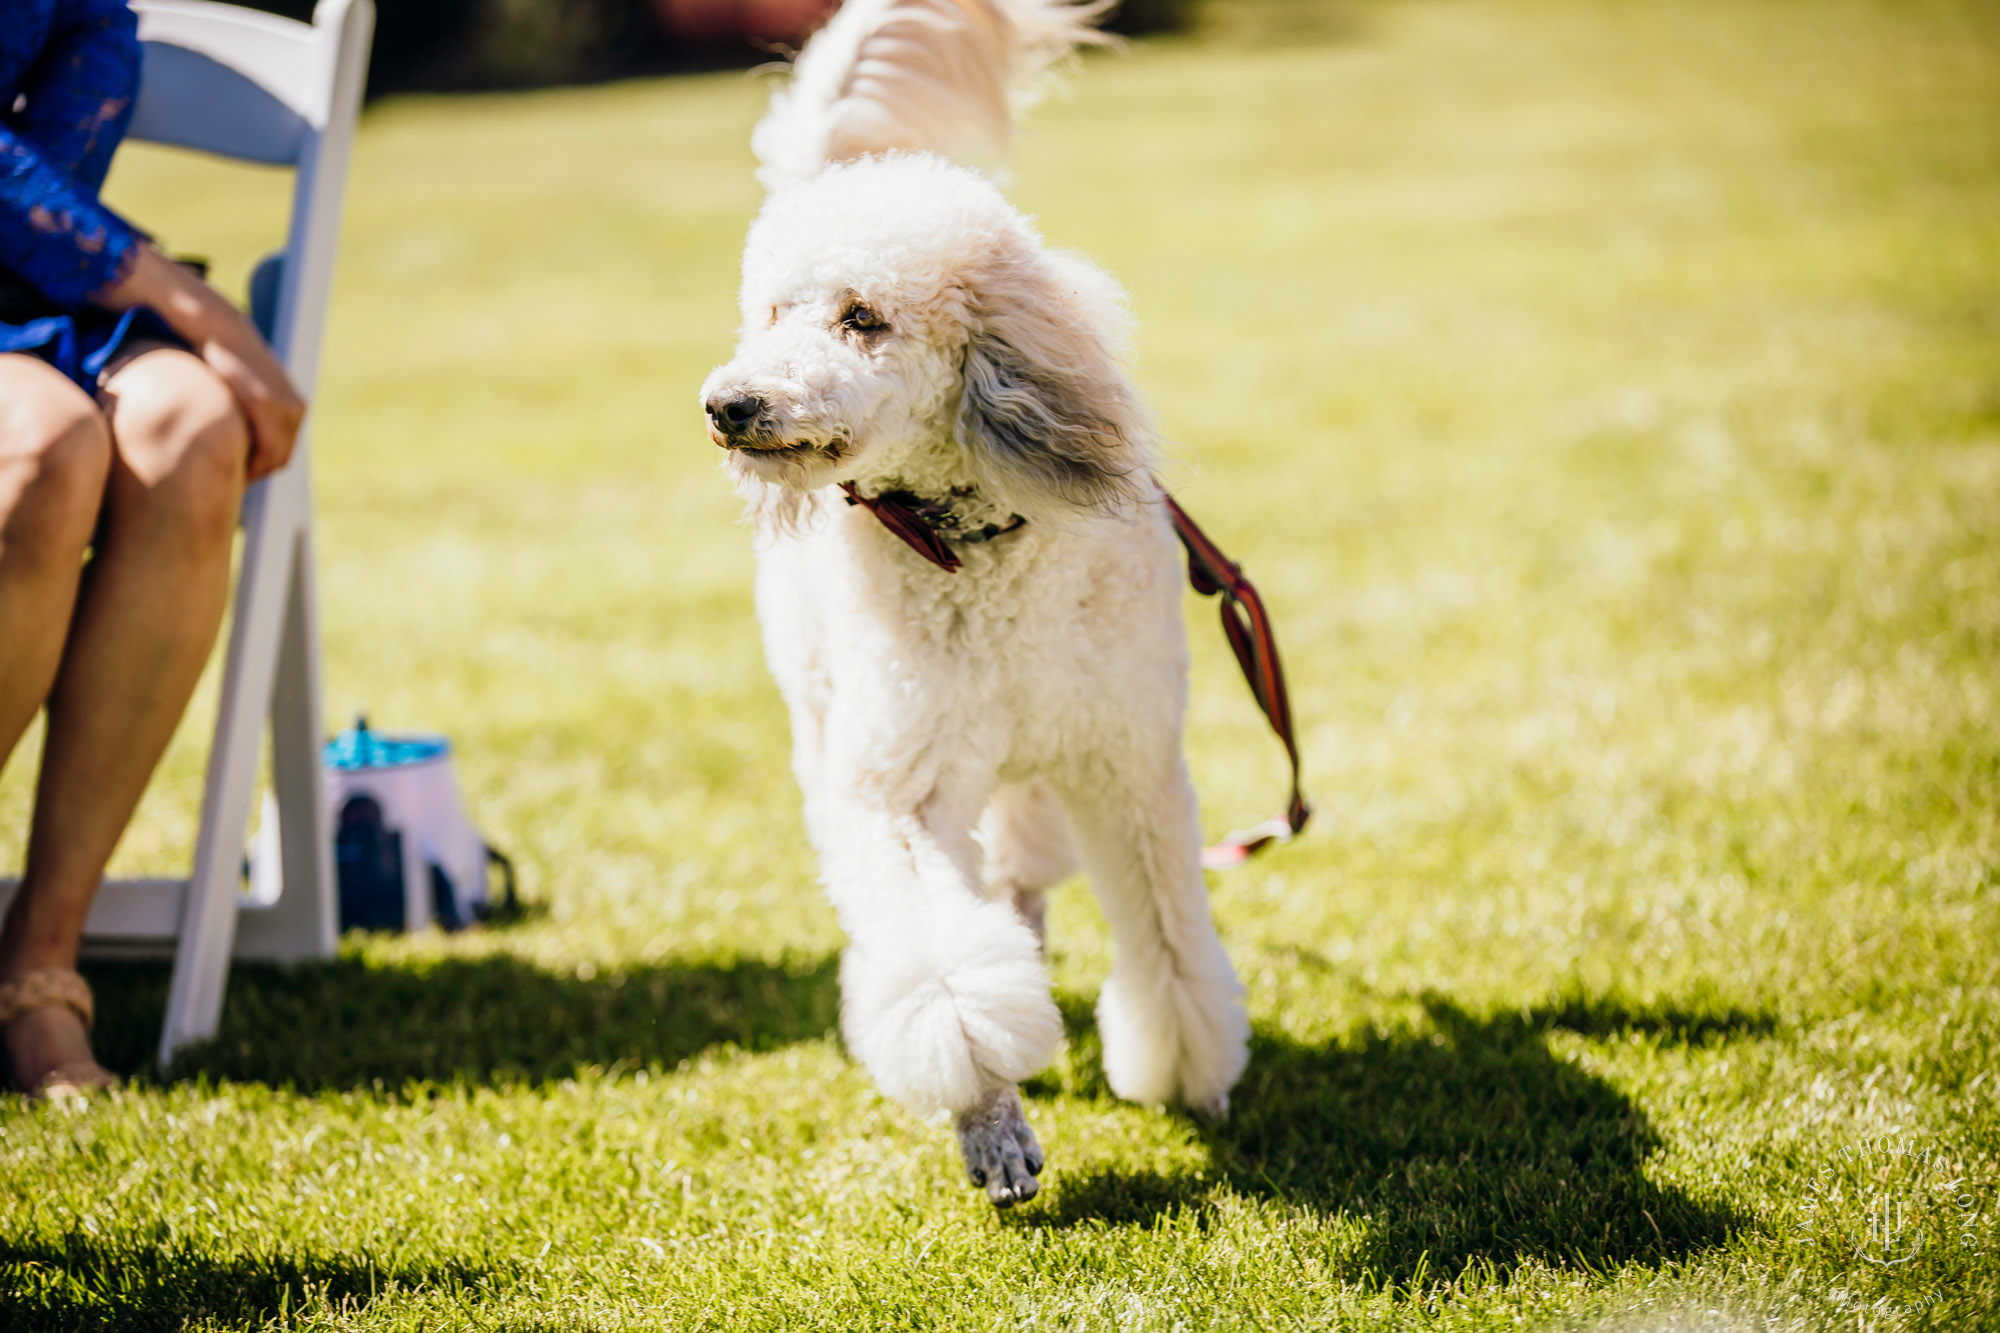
(925, 525)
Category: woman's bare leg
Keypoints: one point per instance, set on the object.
(146, 617)
(55, 450)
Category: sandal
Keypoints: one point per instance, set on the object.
(49, 988)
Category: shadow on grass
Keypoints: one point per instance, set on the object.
(1465, 1141)
(1685, 1024)
(347, 1024)
(152, 1282)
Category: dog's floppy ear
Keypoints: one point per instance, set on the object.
(1046, 412)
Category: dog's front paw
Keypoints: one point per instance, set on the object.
(1001, 1154)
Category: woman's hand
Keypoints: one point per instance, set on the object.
(232, 347)
(274, 409)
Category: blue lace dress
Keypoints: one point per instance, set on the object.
(69, 74)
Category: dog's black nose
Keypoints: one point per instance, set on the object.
(732, 414)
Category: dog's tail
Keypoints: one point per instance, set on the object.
(940, 76)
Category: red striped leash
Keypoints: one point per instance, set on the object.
(1248, 626)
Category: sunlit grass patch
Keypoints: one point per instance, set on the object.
(1607, 399)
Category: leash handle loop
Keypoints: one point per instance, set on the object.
(1248, 627)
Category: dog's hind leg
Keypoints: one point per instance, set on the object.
(1171, 1015)
(1028, 850)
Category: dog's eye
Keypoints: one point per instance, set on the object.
(859, 318)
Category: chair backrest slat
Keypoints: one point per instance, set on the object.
(252, 86)
(215, 109)
(230, 81)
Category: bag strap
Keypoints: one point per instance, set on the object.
(1248, 627)
(510, 907)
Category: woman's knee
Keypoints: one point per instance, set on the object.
(55, 452)
(182, 442)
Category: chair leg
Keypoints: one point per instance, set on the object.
(303, 922)
(208, 918)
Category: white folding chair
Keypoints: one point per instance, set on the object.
(251, 86)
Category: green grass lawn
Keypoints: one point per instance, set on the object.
(1606, 397)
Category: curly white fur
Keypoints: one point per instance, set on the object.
(904, 328)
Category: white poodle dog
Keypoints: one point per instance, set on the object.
(908, 338)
